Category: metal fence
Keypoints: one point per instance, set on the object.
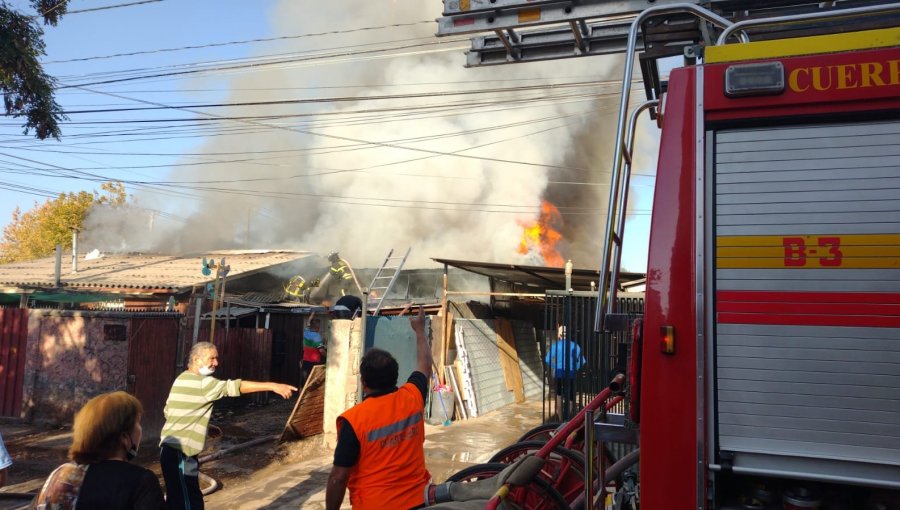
(585, 363)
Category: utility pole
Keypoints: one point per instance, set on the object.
(74, 250)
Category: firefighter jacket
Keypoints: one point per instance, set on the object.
(390, 472)
(340, 271)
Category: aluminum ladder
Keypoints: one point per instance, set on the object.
(384, 279)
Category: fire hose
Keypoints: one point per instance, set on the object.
(209, 483)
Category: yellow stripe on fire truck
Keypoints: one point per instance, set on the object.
(812, 45)
(850, 251)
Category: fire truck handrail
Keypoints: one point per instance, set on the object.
(777, 20)
(620, 128)
(622, 205)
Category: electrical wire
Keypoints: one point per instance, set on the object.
(275, 64)
(108, 7)
(268, 124)
(232, 43)
(343, 99)
(353, 139)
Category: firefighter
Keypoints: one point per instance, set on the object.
(340, 271)
(295, 287)
(299, 288)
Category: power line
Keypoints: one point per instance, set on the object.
(341, 99)
(352, 139)
(359, 86)
(108, 7)
(273, 64)
(443, 110)
(231, 43)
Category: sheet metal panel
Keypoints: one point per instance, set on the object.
(798, 389)
(483, 357)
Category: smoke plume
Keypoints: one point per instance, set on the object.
(312, 186)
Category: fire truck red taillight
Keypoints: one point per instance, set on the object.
(667, 339)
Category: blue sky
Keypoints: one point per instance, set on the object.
(371, 143)
(139, 28)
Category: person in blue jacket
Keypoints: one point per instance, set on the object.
(565, 359)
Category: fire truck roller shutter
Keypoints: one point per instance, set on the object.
(807, 302)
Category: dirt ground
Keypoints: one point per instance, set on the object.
(267, 467)
(37, 450)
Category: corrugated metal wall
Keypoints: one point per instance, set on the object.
(152, 347)
(13, 337)
(244, 353)
(477, 340)
(287, 346)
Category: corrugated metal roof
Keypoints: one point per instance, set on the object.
(138, 273)
(231, 312)
(539, 278)
(272, 302)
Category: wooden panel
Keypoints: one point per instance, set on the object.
(13, 336)
(309, 411)
(509, 359)
(152, 348)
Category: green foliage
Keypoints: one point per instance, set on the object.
(27, 90)
(35, 233)
(51, 10)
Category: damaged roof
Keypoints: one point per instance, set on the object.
(537, 278)
(138, 273)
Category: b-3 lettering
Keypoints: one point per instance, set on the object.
(825, 253)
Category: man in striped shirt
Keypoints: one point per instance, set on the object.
(187, 413)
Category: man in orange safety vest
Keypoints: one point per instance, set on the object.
(379, 454)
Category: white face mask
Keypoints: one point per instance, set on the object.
(133, 451)
(207, 370)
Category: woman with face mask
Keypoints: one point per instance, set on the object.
(105, 437)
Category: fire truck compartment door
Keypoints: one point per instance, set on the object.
(807, 300)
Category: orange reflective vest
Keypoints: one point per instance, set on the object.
(390, 472)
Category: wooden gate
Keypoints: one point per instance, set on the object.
(152, 347)
(13, 336)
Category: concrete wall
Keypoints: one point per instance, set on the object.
(68, 362)
(341, 372)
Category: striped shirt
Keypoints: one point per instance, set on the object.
(189, 407)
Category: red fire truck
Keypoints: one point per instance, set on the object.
(769, 374)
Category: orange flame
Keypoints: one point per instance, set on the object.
(543, 235)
